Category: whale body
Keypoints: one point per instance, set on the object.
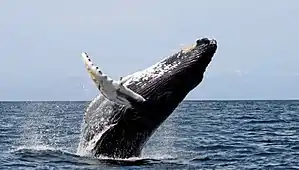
(126, 113)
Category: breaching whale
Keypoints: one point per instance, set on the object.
(126, 113)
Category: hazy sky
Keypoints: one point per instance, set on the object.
(41, 43)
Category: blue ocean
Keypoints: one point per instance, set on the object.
(198, 135)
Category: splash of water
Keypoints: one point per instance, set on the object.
(87, 151)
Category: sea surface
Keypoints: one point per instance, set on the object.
(198, 135)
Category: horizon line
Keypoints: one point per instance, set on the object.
(186, 100)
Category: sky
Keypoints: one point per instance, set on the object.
(41, 43)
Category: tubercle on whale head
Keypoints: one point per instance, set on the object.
(203, 48)
(200, 55)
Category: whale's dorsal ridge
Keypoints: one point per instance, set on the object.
(114, 91)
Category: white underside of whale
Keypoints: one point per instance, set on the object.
(111, 89)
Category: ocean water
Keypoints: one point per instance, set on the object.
(198, 135)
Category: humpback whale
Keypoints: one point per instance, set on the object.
(127, 112)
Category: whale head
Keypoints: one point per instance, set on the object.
(165, 84)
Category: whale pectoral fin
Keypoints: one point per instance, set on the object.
(94, 72)
(129, 94)
(112, 90)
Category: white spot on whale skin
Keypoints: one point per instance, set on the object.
(152, 72)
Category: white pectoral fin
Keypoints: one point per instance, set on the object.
(130, 93)
(112, 90)
(93, 71)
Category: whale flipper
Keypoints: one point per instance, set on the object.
(113, 90)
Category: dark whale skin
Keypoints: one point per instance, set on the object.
(117, 131)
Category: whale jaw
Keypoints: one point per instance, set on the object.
(163, 86)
